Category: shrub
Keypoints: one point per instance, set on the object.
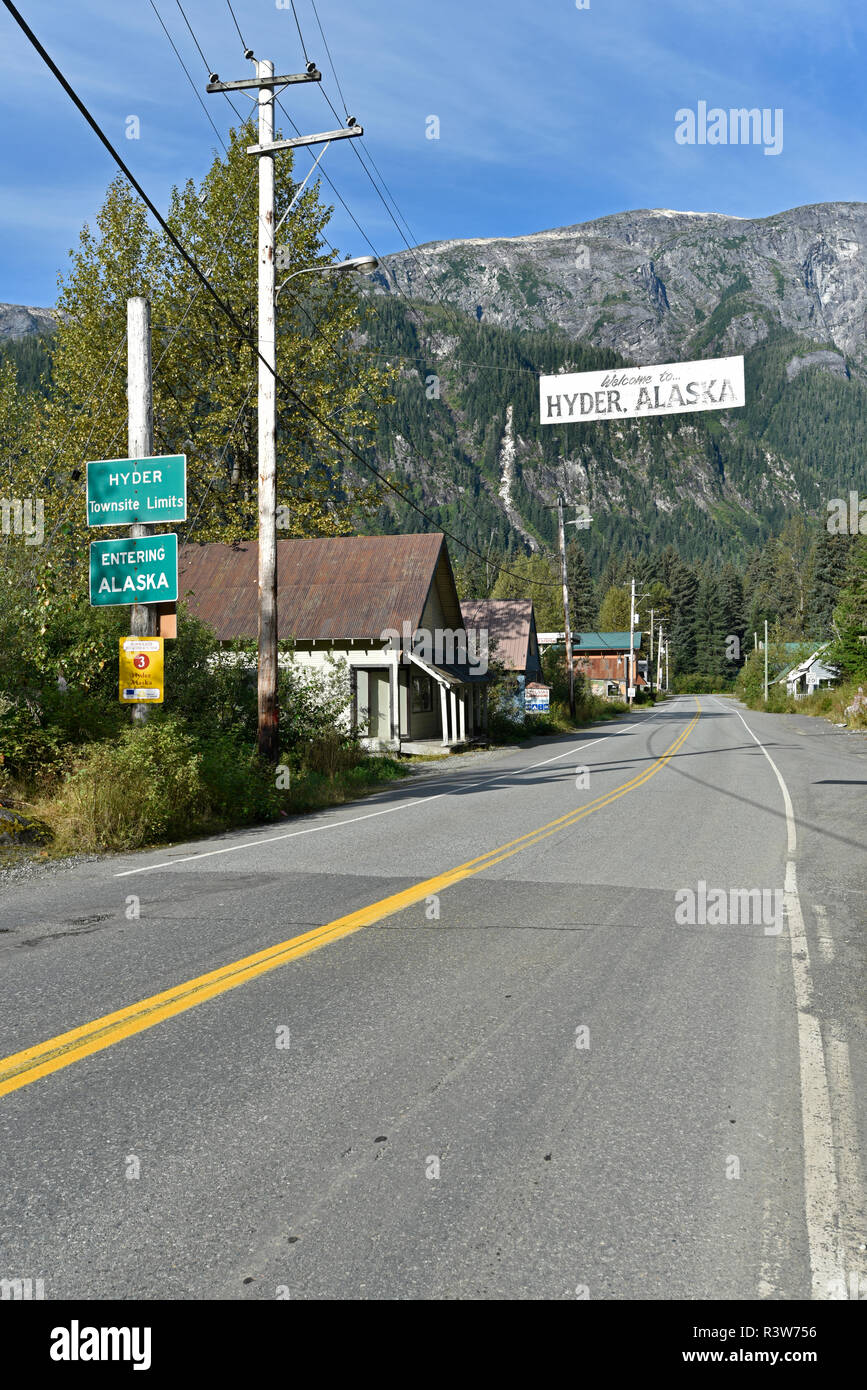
(158, 781)
(502, 728)
(331, 753)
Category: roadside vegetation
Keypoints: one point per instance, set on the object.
(506, 726)
(71, 760)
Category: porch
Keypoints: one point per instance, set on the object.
(404, 704)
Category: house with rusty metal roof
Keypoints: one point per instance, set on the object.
(512, 639)
(386, 605)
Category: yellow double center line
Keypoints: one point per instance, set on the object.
(22, 1068)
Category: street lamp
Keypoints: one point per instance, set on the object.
(353, 263)
(267, 675)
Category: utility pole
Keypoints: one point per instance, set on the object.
(667, 686)
(650, 666)
(269, 712)
(630, 679)
(144, 619)
(766, 661)
(659, 660)
(565, 577)
(264, 151)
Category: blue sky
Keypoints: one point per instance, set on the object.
(549, 114)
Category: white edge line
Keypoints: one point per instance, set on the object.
(821, 1192)
(370, 815)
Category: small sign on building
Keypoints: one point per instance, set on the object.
(140, 679)
(537, 698)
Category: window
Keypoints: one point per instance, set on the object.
(422, 694)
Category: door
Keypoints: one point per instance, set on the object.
(379, 705)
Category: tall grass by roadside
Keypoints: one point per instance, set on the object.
(825, 704)
(160, 782)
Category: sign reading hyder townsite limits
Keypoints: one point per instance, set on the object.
(121, 492)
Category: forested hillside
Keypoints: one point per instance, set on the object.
(465, 430)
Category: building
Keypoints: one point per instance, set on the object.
(809, 676)
(386, 605)
(603, 659)
(512, 640)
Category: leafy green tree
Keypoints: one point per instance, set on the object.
(205, 369)
(535, 577)
(614, 611)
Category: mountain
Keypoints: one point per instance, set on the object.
(20, 321)
(472, 323)
(658, 286)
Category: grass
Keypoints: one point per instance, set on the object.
(824, 704)
(94, 810)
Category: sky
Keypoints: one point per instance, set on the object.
(547, 113)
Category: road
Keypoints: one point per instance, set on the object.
(457, 1041)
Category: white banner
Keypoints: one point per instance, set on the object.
(636, 392)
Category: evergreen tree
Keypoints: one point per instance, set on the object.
(850, 617)
(732, 599)
(764, 601)
(710, 634)
(684, 592)
(829, 562)
(582, 592)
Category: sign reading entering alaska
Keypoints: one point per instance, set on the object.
(638, 392)
(123, 491)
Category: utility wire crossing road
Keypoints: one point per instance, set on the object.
(522, 1069)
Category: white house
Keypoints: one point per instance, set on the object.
(386, 605)
(810, 675)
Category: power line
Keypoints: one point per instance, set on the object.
(238, 27)
(330, 59)
(224, 308)
(300, 35)
(192, 34)
(199, 98)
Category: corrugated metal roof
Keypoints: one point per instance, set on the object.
(508, 622)
(604, 641)
(336, 588)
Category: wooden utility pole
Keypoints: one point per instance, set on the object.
(650, 663)
(144, 619)
(659, 660)
(766, 661)
(264, 151)
(567, 624)
(269, 711)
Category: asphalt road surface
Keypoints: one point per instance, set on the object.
(467, 1039)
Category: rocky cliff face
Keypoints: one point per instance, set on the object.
(20, 321)
(660, 286)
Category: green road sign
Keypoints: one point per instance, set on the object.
(144, 570)
(152, 490)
